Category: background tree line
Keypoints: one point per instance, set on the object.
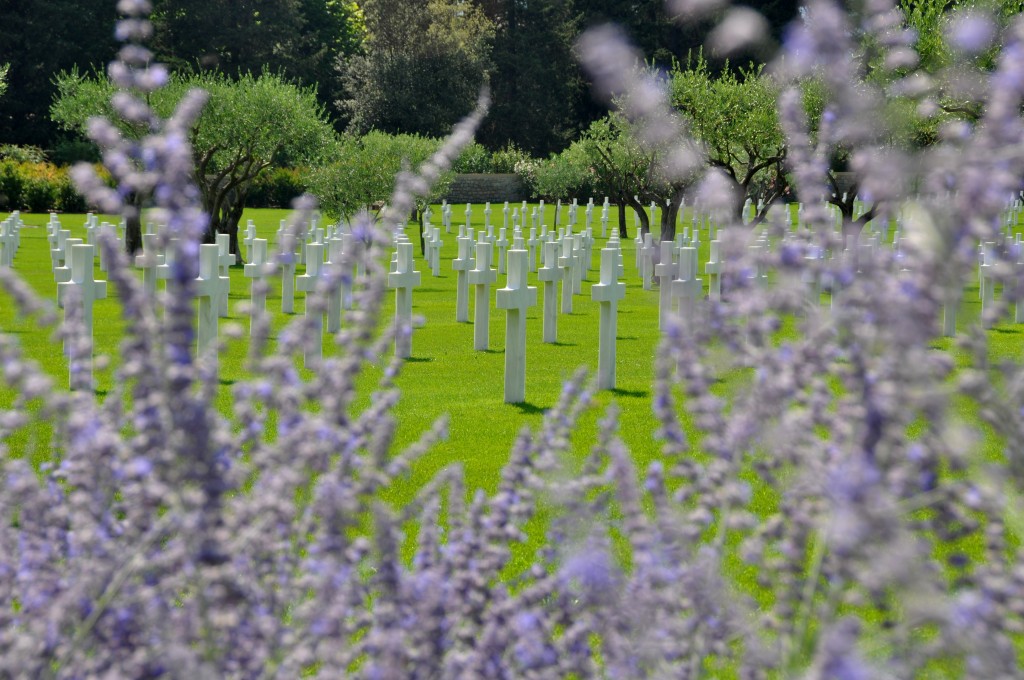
(389, 65)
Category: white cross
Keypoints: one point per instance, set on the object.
(435, 262)
(713, 270)
(57, 254)
(987, 284)
(85, 290)
(335, 259)
(647, 261)
(250, 234)
(515, 298)
(566, 264)
(62, 273)
(686, 287)
(287, 286)
(608, 293)
(225, 258)
(577, 264)
(531, 245)
(256, 269)
(502, 244)
(313, 349)
(481, 278)
(148, 262)
(8, 243)
(403, 280)
(208, 289)
(462, 264)
(550, 273)
(164, 271)
(665, 271)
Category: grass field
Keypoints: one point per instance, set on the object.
(444, 375)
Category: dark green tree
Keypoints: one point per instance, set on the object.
(40, 38)
(301, 39)
(422, 67)
(537, 85)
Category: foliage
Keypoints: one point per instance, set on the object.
(247, 125)
(40, 39)
(22, 154)
(475, 158)
(538, 88)
(37, 186)
(3, 78)
(276, 188)
(423, 65)
(299, 39)
(609, 161)
(734, 118)
(506, 160)
(358, 173)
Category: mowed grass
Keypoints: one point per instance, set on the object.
(445, 375)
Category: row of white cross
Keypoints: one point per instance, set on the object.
(563, 256)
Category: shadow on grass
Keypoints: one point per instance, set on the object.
(562, 344)
(526, 408)
(418, 360)
(1007, 331)
(639, 394)
(627, 337)
(222, 381)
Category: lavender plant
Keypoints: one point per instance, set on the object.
(167, 540)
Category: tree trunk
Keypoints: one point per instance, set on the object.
(670, 215)
(417, 215)
(133, 225)
(226, 220)
(668, 221)
(623, 231)
(645, 221)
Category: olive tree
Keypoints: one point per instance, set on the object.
(247, 125)
(607, 160)
(733, 116)
(357, 173)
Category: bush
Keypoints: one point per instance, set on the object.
(275, 188)
(71, 151)
(39, 187)
(12, 185)
(505, 160)
(476, 158)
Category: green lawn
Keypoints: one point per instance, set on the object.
(444, 375)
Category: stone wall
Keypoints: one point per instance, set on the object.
(481, 188)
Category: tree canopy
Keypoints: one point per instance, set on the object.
(734, 118)
(246, 125)
(422, 67)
